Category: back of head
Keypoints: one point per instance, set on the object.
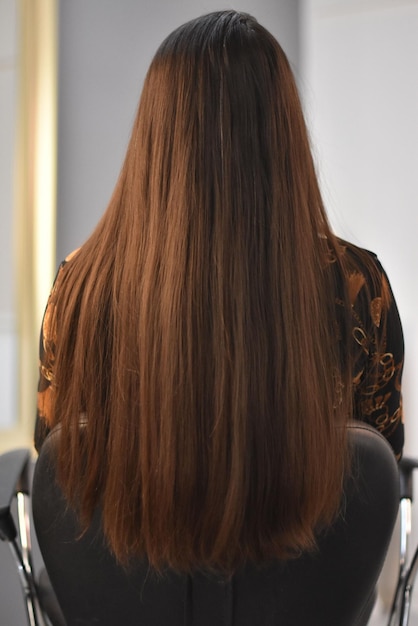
(196, 324)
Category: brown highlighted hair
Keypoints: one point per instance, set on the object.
(196, 326)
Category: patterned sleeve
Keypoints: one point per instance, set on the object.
(47, 343)
(379, 352)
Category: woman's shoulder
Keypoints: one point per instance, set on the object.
(359, 259)
(70, 257)
(364, 274)
(64, 264)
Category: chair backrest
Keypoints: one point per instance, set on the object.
(329, 587)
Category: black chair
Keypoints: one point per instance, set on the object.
(334, 586)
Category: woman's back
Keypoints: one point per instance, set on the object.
(203, 334)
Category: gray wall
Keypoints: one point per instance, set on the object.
(359, 63)
(105, 49)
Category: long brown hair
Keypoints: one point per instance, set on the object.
(196, 327)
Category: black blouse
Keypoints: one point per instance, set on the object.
(376, 343)
(377, 347)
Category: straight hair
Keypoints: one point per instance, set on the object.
(196, 328)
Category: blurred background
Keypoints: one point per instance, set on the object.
(71, 73)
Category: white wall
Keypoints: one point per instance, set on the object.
(105, 49)
(360, 84)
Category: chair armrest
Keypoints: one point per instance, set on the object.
(407, 465)
(13, 478)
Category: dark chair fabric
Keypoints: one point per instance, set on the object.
(331, 587)
(13, 470)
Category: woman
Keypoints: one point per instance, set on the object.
(213, 336)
